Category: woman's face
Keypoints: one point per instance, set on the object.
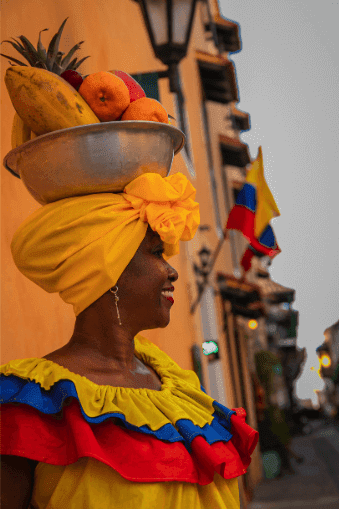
(141, 298)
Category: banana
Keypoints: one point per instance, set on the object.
(45, 101)
(20, 132)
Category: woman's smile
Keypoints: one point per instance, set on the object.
(167, 293)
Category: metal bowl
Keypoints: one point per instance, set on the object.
(95, 158)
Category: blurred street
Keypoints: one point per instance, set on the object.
(315, 484)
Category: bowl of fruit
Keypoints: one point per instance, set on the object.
(75, 135)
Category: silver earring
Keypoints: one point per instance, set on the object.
(116, 301)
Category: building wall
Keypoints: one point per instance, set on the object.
(34, 322)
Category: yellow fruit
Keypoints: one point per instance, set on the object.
(20, 132)
(45, 101)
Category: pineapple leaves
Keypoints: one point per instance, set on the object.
(79, 63)
(16, 45)
(72, 64)
(57, 68)
(32, 55)
(14, 60)
(54, 46)
(67, 59)
(40, 48)
(52, 60)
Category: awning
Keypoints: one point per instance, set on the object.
(241, 119)
(227, 34)
(231, 288)
(244, 297)
(234, 152)
(219, 82)
(273, 292)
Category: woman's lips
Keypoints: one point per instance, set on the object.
(168, 298)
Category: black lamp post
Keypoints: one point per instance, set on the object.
(202, 271)
(169, 26)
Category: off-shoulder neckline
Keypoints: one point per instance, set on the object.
(139, 356)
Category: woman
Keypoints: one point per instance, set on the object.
(109, 420)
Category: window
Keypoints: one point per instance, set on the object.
(149, 83)
(234, 152)
(217, 74)
(227, 34)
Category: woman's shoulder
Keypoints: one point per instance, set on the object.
(35, 369)
(21, 367)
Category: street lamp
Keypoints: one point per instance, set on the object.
(325, 361)
(252, 324)
(169, 26)
(202, 271)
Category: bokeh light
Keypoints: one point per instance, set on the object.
(253, 324)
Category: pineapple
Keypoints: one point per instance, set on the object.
(52, 60)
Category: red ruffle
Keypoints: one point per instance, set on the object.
(136, 456)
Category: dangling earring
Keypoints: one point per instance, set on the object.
(116, 302)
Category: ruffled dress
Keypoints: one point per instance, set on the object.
(110, 447)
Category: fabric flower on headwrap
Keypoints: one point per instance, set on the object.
(80, 246)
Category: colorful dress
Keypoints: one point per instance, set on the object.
(110, 447)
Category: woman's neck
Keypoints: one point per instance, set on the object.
(98, 335)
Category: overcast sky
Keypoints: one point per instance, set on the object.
(288, 80)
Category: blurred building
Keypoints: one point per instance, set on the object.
(328, 351)
(281, 327)
(328, 354)
(332, 341)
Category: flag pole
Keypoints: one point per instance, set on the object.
(215, 256)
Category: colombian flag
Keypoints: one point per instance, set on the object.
(252, 212)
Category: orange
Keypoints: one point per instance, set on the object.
(106, 94)
(146, 108)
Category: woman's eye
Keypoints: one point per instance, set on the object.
(160, 252)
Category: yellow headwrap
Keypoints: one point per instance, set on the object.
(80, 246)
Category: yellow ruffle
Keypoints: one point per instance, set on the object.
(180, 396)
(90, 483)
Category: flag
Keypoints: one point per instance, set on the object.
(252, 212)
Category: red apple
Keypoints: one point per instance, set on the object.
(135, 90)
(73, 78)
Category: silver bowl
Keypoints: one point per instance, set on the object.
(95, 158)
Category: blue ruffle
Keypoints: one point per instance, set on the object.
(17, 390)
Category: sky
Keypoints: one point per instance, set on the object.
(288, 81)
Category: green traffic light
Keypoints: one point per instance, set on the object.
(209, 347)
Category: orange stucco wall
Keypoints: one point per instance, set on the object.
(34, 322)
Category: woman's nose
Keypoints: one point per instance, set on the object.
(172, 273)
